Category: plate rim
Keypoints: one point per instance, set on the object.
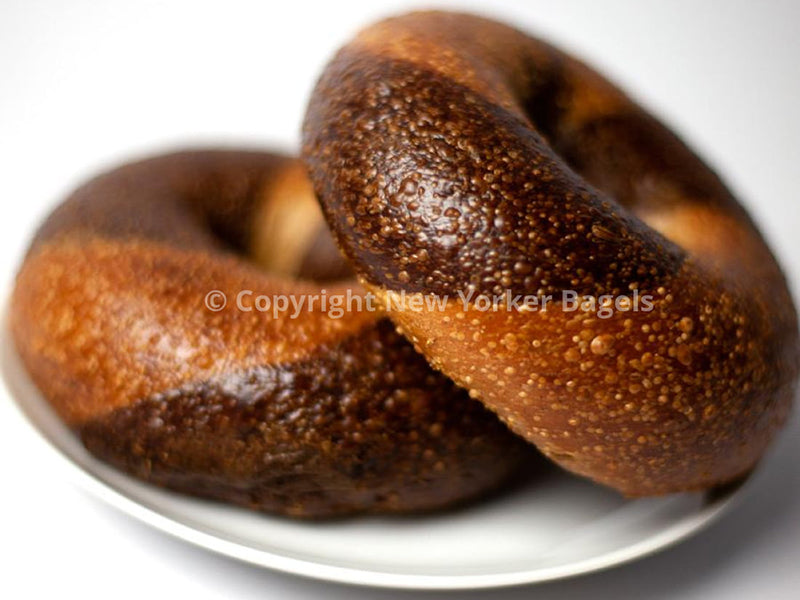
(146, 513)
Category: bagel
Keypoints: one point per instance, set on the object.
(458, 159)
(313, 416)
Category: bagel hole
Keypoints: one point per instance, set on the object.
(543, 109)
(289, 237)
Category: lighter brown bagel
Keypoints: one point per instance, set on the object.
(311, 416)
(453, 154)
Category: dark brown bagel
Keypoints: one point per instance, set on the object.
(314, 416)
(454, 154)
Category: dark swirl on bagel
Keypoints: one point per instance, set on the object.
(313, 416)
(453, 154)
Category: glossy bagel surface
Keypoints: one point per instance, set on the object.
(309, 415)
(458, 158)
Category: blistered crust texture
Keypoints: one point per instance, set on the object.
(364, 426)
(454, 155)
(310, 416)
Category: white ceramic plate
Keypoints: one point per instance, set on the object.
(551, 528)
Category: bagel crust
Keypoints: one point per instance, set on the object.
(311, 416)
(457, 157)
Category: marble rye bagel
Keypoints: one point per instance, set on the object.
(455, 154)
(312, 417)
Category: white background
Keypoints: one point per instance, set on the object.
(86, 83)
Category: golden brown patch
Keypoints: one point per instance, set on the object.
(453, 154)
(298, 412)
